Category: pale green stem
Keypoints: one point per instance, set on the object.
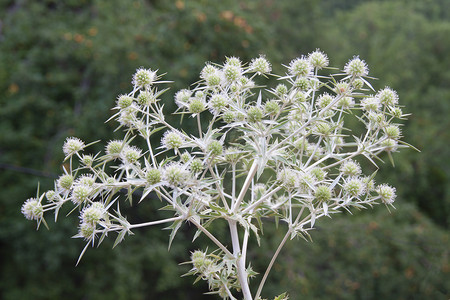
(272, 261)
(342, 160)
(246, 185)
(314, 152)
(211, 237)
(240, 265)
(262, 199)
(219, 188)
(199, 125)
(155, 222)
(277, 252)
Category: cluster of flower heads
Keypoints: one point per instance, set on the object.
(288, 143)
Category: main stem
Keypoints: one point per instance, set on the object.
(240, 264)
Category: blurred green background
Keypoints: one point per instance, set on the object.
(62, 64)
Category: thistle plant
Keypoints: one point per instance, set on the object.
(263, 153)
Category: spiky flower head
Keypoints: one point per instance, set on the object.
(260, 65)
(72, 145)
(369, 183)
(370, 104)
(52, 196)
(214, 148)
(128, 116)
(288, 178)
(172, 140)
(86, 230)
(300, 67)
(346, 102)
(182, 98)
(377, 120)
(65, 182)
(207, 71)
(143, 78)
(217, 103)
(354, 187)
(281, 90)
(232, 155)
(342, 88)
(393, 131)
(356, 67)
(322, 193)
(85, 179)
(196, 166)
(388, 96)
(318, 174)
(80, 193)
(232, 69)
(87, 160)
(32, 209)
(386, 193)
(318, 59)
(153, 176)
(228, 117)
(323, 128)
(124, 101)
(389, 145)
(94, 213)
(272, 107)
(146, 98)
(302, 83)
(255, 114)
(324, 100)
(114, 148)
(131, 154)
(197, 105)
(396, 112)
(358, 83)
(176, 174)
(350, 168)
